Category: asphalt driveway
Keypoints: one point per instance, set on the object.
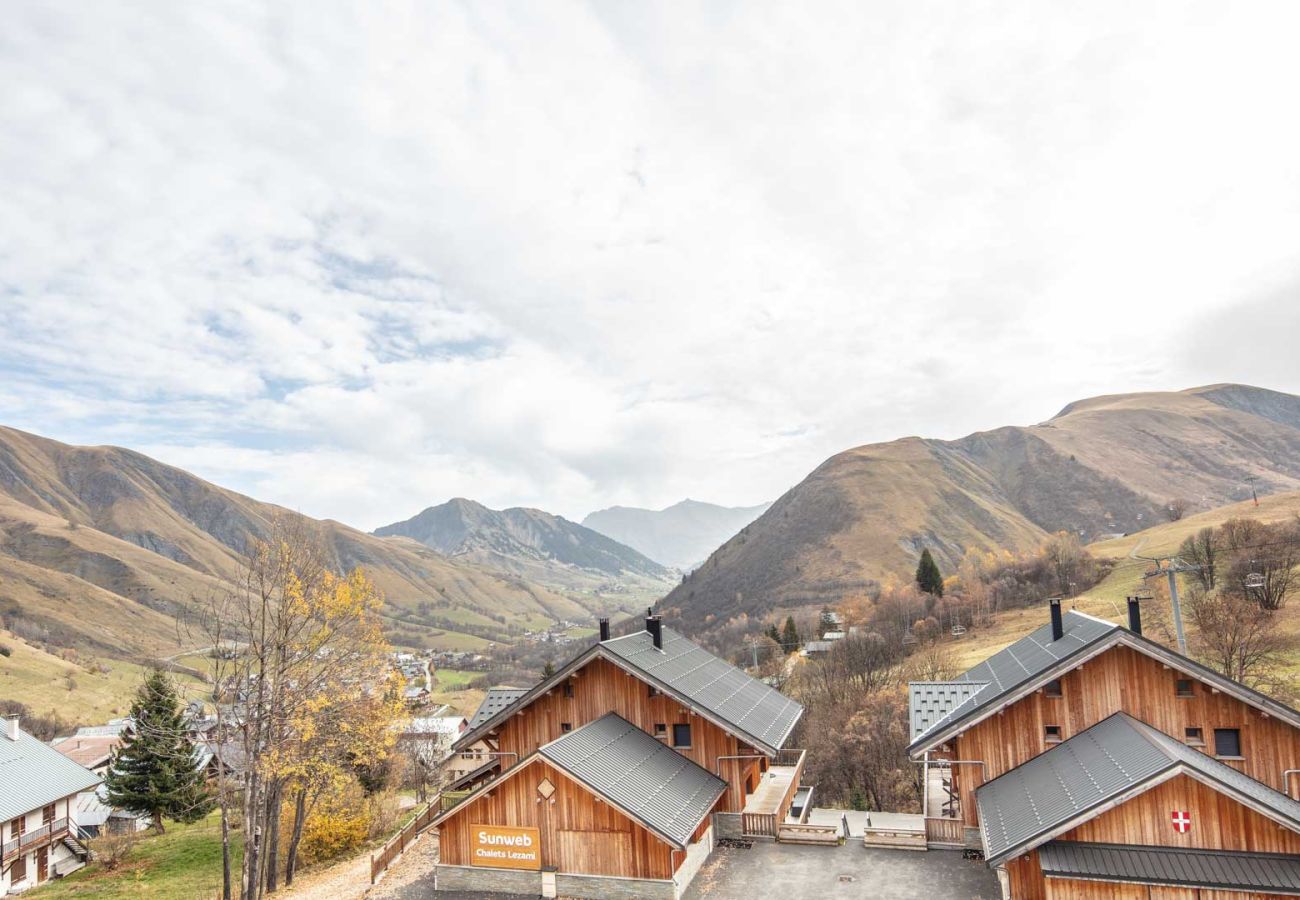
(794, 872)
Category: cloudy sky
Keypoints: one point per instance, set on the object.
(359, 258)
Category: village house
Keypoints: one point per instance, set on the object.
(614, 776)
(91, 810)
(469, 766)
(1089, 762)
(40, 838)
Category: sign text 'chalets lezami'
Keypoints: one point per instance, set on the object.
(505, 848)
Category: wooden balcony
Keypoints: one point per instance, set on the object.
(35, 839)
(768, 806)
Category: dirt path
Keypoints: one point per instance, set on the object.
(350, 879)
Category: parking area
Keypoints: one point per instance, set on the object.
(793, 872)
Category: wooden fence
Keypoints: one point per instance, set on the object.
(946, 832)
(397, 844)
(758, 824)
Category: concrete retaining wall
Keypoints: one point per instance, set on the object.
(696, 854)
(473, 878)
(728, 825)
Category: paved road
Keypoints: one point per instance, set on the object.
(794, 872)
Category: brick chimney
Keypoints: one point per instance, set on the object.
(11, 726)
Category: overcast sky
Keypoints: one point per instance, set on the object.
(361, 258)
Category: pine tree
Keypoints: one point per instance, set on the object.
(928, 577)
(790, 636)
(774, 633)
(153, 772)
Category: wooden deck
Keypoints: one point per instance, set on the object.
(767, 807)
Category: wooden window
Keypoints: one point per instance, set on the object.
(660, 729)
(1052, 734)
(1053, 689)
(568, 689)
(1194, 737)
(652, 691)
(1184, 687)
(566, 727)
(1227, 743)
(47, 814)
(682, 736)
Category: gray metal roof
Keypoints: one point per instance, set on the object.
(34, 775)
(497, 699)
(648, 779)
(1274, 873)
(930, 701)
(1027, 805)
(758, 712)
(1023, 661)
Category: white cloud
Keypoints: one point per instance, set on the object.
(357, 258)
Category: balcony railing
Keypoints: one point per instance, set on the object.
(37, 837)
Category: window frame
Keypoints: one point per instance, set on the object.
(1191, 688)
(1197, 740)
(1240, 754)
(690, 737)
(568, 690)
(1052, 738)
(1052, 690)
(566, 727)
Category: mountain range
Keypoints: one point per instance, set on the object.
(539, 546)
(102, 547)
(682, 535)
(1101, 466)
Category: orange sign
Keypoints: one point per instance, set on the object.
(505, 848)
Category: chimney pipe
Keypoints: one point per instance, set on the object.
(11, 726)
(1058, 627)
(655, 626)
(1134, 615)
(604, 630)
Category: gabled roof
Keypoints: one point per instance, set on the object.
(658, 786)
(89, 752)
(696, 675)
(1110, 762)
(1036, 659)
(930, 701)
(717, 690)
(34, 774)
(1230, 870)
(497, 699)
(643, 778)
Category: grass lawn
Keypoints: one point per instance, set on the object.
(182, 864)
(454, 679)
(40, 680)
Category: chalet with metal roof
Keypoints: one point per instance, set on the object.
(1088, 761)
(613, 776)
(39, 839)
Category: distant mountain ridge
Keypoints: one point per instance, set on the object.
(1100, 466)
(520, 539)
(681, 535)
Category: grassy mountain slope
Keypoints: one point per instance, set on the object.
(1099, 467)
(99, 546)
(681, 535)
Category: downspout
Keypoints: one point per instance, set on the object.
(1286, 785)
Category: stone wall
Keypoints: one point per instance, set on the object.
(508, 881)
(727, 825)
(511, 881)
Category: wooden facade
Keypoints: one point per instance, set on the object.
(1218, 823)
(601, 687)
(1120, 679)
(579, 832)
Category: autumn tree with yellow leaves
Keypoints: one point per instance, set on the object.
(304, 692)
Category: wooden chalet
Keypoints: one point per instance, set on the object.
(614, 777)
(1087, 761)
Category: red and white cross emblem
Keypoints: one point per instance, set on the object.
(1182, 821)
